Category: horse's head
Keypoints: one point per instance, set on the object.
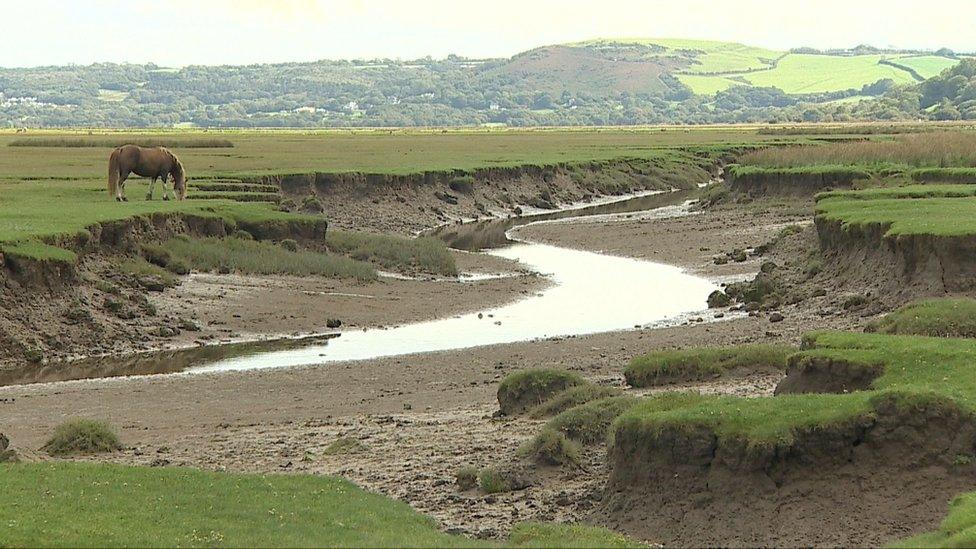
(179, 181)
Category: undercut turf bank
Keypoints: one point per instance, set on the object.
(860, 467)
(922, 237)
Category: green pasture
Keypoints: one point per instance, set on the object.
(805, 73)
(90, 505)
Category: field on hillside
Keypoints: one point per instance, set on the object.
(799, 73)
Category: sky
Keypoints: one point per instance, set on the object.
(184, 32)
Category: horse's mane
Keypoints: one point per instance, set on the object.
(177, 169)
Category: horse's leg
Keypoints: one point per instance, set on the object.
(166, 191)
(122, 178)
(152, 183)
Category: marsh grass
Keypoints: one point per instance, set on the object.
(941, 149)
(82, 436)
(140, 268)
(424, 254)
(110, 142)
(258, 257)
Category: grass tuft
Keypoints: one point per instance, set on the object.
(82, 436)
(551, 447)
(344, 445)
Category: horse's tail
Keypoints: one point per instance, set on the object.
(113, 173)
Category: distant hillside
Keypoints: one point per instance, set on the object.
(596, 82)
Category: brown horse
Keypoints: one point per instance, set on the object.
(154, 162)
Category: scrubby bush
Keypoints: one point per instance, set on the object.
(551, 447)
(82, 436)
(523, 390)
(290, 245)
(466, 478)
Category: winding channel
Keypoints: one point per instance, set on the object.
(590, 293)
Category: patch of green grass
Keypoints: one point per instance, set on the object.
(33, 249)
(661, 367)
(526, 389)
(540, 534)
(927, 65)
(945, 317)
(257, 257)
(941, 216)
(82, 436)
(36, 211)
(809, 73)
(424, 254)
(573, 396)
(74, 504)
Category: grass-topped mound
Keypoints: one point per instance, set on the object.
(673, 366)
(521, 391)
(943, 317)
(82, 436)
(117, 506)
(915, 375)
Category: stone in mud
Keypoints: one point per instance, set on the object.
(738, 255)
(6, 455)
(776, 317)
(167, 331)
(333, 323)
(718, 298)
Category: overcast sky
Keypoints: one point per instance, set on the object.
(183, 32)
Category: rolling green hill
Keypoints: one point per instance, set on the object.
(608, 81)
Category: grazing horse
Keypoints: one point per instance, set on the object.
(154, 162)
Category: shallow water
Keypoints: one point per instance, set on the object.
(590, 293)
